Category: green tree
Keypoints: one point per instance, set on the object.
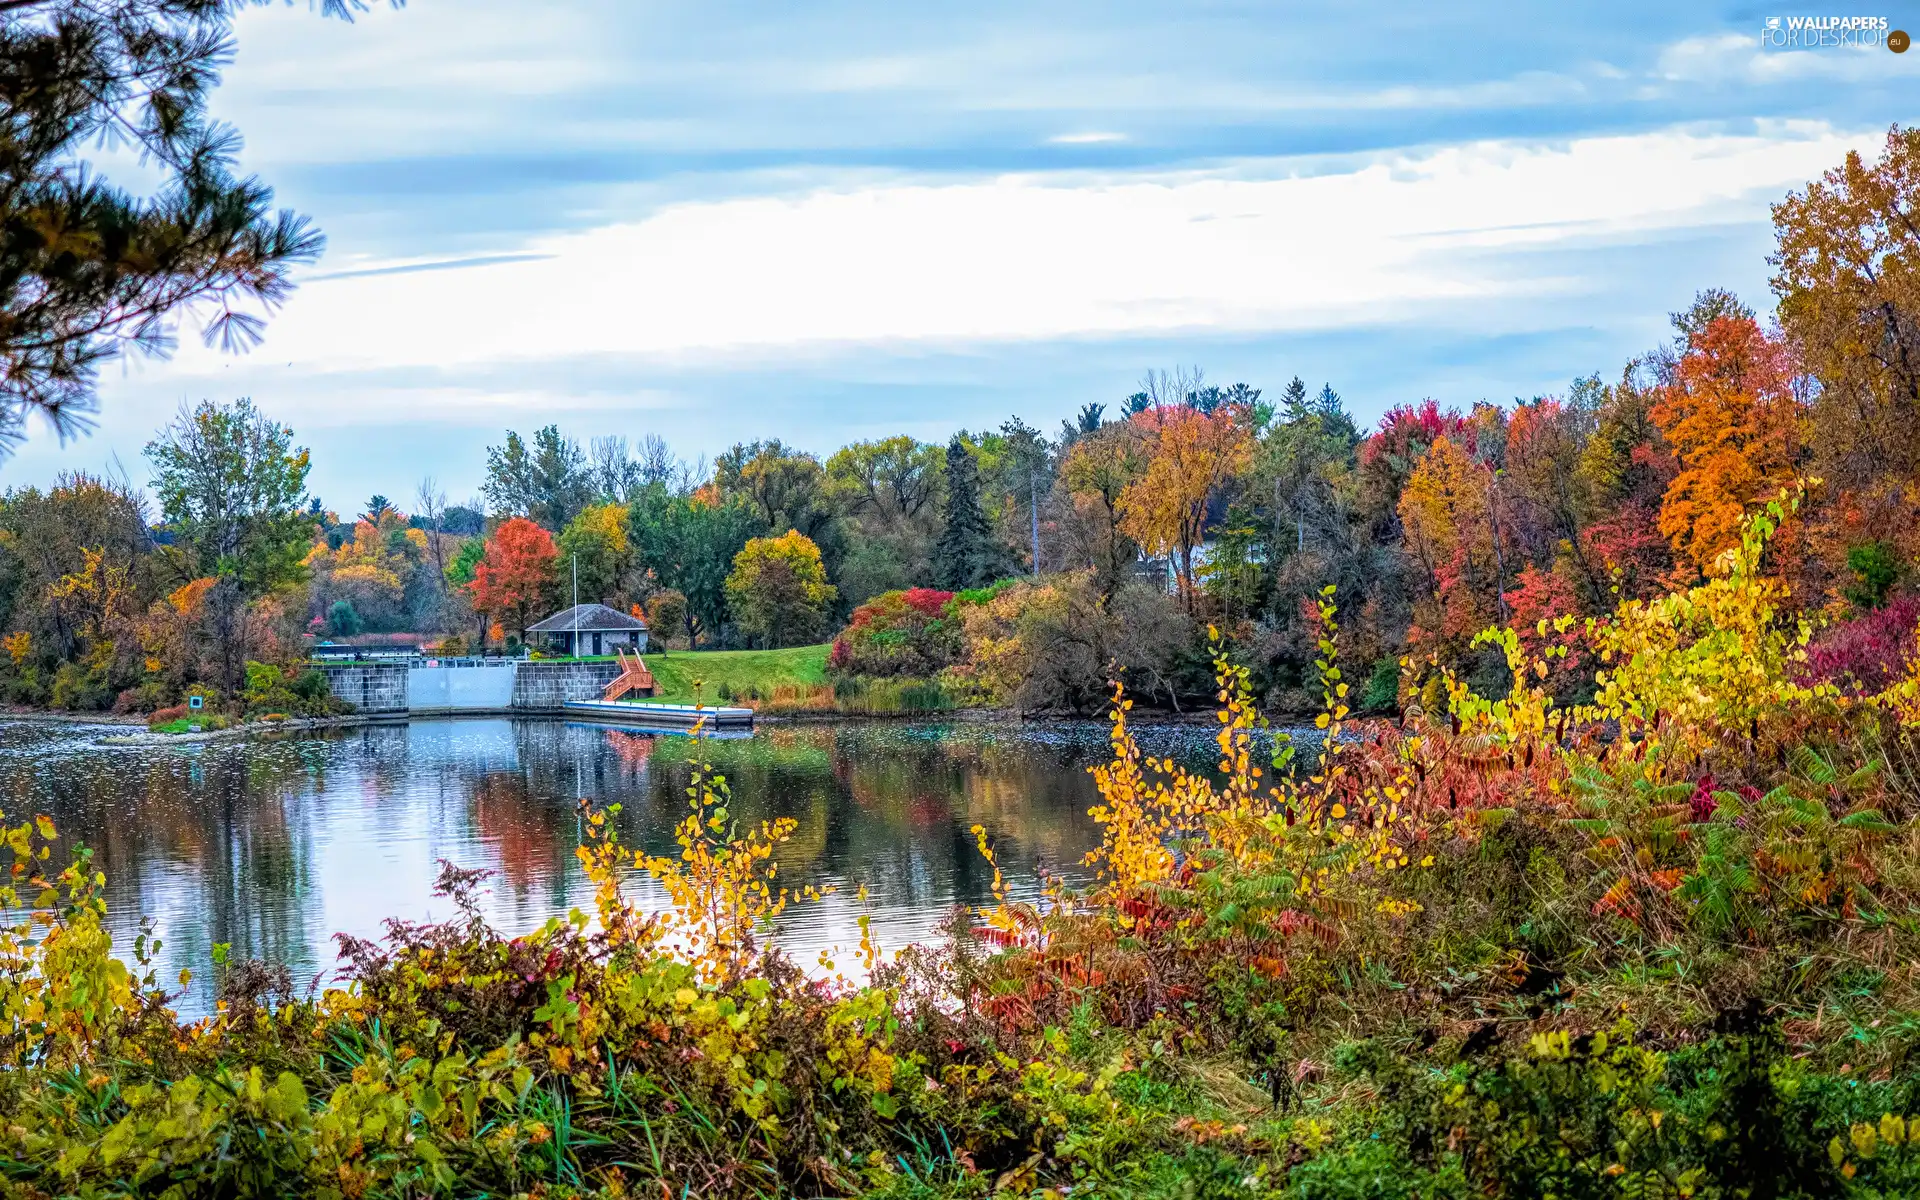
(779, 590)
(231, 486)
(548, 482)
(688, 543)
(786, 489)
(965, 556)
(92, 270)
(342, 620)
(889, 490)
(461, 566)
(1876, 568)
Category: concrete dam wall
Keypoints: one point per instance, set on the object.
(492, 686)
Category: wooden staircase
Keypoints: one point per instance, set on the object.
(633, 677)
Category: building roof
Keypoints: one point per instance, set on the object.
(593, 618)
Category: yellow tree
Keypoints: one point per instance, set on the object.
(595, 542)
(1448, 509)
(1097, 472)
(779, 591)
(1848, 279)
(1190, 456)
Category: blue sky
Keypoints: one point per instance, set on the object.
(829, 222)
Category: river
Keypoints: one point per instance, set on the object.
(273, 846)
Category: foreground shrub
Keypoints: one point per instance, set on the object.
(1499, 947)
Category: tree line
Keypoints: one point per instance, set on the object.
(1131, 527)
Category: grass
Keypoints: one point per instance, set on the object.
(676, 672)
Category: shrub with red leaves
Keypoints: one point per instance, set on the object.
(1701, 804)
(912, 633)
(1868, 653)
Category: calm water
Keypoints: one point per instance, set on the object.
(276, 846)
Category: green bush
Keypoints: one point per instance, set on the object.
(343, 620)
(1599, 1115)
(1382, 691)
(80, 688)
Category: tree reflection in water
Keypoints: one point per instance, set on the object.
(275, 846)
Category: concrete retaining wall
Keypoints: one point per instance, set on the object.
(546, 685)
(496, 687)
(369, 688)
(457, 689)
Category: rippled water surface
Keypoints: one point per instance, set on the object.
(276, 846)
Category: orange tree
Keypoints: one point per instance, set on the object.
(1732, 418)
(515, 574)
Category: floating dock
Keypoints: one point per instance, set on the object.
(659, 716)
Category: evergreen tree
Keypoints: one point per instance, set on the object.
(964, 558)
(91, 269)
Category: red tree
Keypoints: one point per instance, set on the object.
(516, 573)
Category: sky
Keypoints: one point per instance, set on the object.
(830, 222)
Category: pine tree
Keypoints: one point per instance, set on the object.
(93, 270)
(964, 557)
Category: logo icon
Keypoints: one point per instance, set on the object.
(1898, 41)
(1773, 22)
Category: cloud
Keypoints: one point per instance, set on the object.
(1093, 138)
(1738, 58)
(1019, 258)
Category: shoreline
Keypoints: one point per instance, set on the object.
(136, 734)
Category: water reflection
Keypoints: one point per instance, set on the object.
(276, 846)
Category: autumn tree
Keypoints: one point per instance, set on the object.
(779, 590)
(45, 536)
(1388, 456)
(515, 577)
(596, 544)
(232, 486)
(1623, 474)
(1190, 456)
(666, 615)
(1096, 473)
(1847, 274)
(1450, 511)
(1734, 422)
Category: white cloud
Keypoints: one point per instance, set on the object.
(1738, 58)
(1091, 138)
(1022, 258)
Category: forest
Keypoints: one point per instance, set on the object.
(1021, 568)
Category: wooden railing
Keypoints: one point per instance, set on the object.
(633, 677)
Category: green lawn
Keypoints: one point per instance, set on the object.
(676, 671)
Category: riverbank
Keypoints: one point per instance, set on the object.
(71, 718)
(251, 729)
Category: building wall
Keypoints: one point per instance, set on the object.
(552, 684)
(370, 688)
